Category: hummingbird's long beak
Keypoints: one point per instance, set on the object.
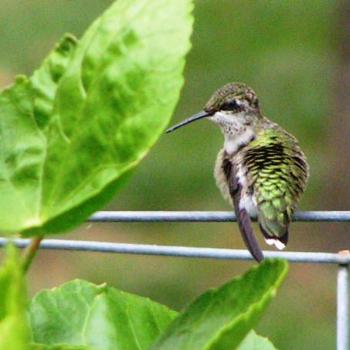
(197, 116)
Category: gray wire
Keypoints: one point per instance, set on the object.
(207, 216)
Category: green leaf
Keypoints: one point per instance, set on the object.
(72, 133)
(14, 330)
(255, 342)
(221, 318)
(97, 317)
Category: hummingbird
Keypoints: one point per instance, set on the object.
(261, 169)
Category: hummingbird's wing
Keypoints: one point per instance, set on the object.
(243, 218)
(278, 174)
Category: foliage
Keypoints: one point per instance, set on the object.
(14, 331)
(100, 317)
(72, 132)
(220, 319)
(80, 315)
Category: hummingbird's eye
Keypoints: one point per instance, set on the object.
(230, 105)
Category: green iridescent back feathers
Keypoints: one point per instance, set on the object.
(278, 173)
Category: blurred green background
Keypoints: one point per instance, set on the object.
(295, 54)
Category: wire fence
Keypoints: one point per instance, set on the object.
(342, 259)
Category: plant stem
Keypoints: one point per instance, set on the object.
(30, 252)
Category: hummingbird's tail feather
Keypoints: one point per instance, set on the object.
(279, 241)
(276, 242)
(245, 226)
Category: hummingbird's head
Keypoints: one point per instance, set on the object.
(233, 98)
(231, 107)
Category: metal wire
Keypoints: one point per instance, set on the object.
(342, 259)
(343, 308)
(183, 252)
(207, 216)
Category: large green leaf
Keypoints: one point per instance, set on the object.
(14, 330)
(255, 342)
(71, 134)
(97, 317)
(221, 318)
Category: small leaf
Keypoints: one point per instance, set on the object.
(14, 330)
(98, 317)
(221, 318)
(255, 342)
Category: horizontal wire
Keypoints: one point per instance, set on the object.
(207, 216)
(192, 252)
(176, 251)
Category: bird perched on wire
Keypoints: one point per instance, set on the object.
(261, 169)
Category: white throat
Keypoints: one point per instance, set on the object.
(234, 142)
(235, 129)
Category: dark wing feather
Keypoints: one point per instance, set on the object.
(243, 218)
